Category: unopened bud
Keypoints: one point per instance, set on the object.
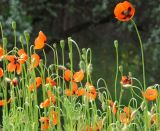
(121, 68)
(62, 44)
(14, 25)
(27, 37)
(116, 44)
(82, 65)
(89, 69)
(21, 39)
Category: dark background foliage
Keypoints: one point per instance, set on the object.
(91, 23)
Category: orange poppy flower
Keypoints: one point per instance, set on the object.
(113, 107)
(69, 92)
(1, 72)
(124, 11)
(38, 83)
(15, 62)
(124, 119)
(78, 76)
(67, 75)
(91, 93)
(45, 123)
(151, 94)
(126, 116)
(127, 110)
(154, 119)
(2, 51)
(126, 81)
(54, 117)
(47, 102)
(2, 102)
(35, 60)
(40, 40)
(80, 92)
(50, 81)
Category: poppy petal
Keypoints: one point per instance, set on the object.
(11, 67)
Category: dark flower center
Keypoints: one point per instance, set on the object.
(127, 13)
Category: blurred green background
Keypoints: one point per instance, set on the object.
(91, 23)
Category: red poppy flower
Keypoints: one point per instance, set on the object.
(124, 11)
(16, 62)
(38, 81)
(40, 40)
(126, 81)
(1, 72)
(14, 82)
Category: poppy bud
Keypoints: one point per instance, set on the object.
(14, 25)
(27, 37)
(89, 69)
(116, 43)
(5, 41)
(54, 45)
(69, 42)
(121, 68)
(82, 65)
(62, 44)
(21, 39)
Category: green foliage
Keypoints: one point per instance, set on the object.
(14, 12)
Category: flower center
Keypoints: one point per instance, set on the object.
(127, 13)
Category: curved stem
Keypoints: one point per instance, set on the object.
(142, 52)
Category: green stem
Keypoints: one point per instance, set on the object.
(142, 52)
(116, 46)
